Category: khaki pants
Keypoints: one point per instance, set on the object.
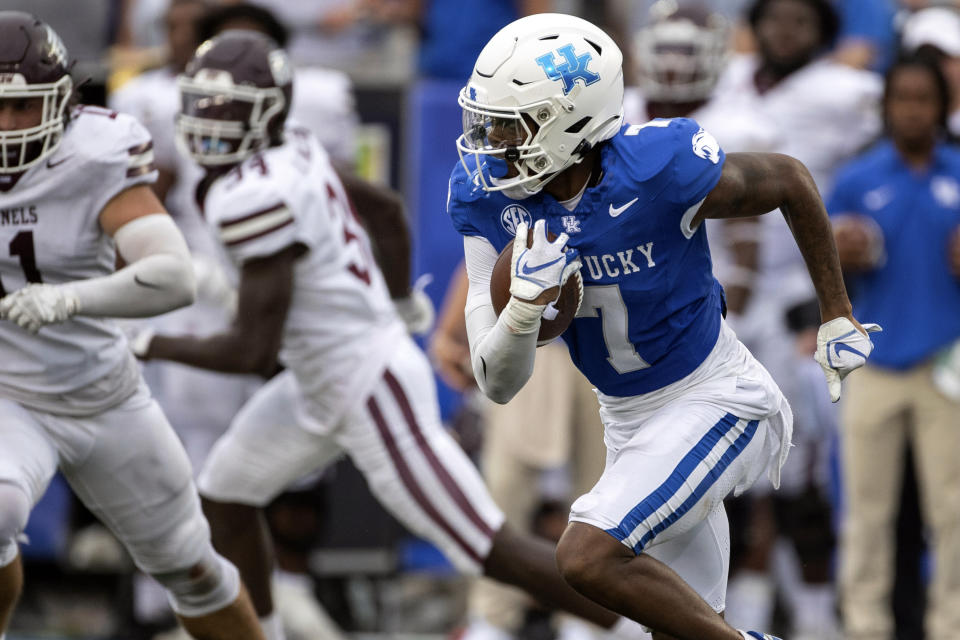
(882, 411)
(553, 421)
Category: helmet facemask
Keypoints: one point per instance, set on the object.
(21, 149)
(512, 135)
(222, 123)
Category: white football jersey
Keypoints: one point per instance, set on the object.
(822, 114)
(50, 232)
(341, 327)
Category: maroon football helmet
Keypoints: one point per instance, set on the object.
(680, 52)
(33, 65)
(235, 96)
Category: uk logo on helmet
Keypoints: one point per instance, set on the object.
(572, 68)
(512, 216)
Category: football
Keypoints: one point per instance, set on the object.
(556, 317)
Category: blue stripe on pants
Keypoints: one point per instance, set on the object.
(734, 450)
(679, 476)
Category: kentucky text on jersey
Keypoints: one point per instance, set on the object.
(622, 262)
(18, 215)
(651, 308)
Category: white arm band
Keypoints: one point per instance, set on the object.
(502, 358)
(158, 276)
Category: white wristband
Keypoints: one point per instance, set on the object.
(522, 317)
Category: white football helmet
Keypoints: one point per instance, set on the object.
(680, 52)
(543, 92)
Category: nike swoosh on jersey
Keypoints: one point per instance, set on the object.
(616, 211)
(140, 282)
(51, 164)
(527, 270)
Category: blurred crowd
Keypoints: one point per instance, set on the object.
(862, 541)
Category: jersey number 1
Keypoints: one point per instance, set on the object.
(607, 302)
(22, 246)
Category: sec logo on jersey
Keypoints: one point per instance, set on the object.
(512, 216)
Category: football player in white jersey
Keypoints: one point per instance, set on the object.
(312, 297)
(74, 193)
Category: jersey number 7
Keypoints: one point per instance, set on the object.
(22, 246)
(606, 301)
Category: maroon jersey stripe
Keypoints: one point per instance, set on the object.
(227, 223)
(410, 482)
(136, 150)
(448, 482)
(141, 170)
(253, 236)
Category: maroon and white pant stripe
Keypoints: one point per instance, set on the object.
(409, 479)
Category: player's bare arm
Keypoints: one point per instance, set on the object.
(755, 183)
(253, 341)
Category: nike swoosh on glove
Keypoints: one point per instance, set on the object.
(37, 305)
(543, 266)
(756, 635)
(841, 348)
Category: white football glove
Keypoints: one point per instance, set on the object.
(139, 336)
(841, 348)
(213, 285)
(416, 310)
(541, 267)
(37, 305)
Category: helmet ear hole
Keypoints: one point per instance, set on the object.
(578, 126)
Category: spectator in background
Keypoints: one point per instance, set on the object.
(867, 39)
(936, 31)
(358, 37)
(896, 213)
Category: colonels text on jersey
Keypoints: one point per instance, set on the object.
(341, 324)
(49, 232)
(638, 252)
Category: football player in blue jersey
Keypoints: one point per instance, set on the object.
(689, 414)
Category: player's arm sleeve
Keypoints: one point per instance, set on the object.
(502, 359)
(158, 276)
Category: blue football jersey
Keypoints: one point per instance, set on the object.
(651, 309)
